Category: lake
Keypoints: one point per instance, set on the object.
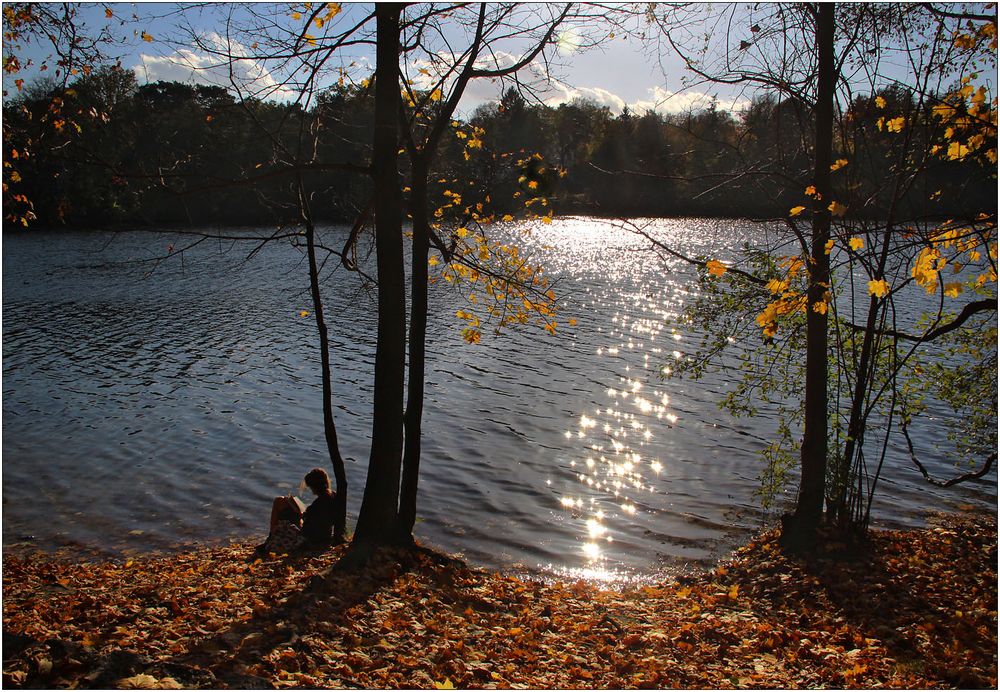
(150, 405)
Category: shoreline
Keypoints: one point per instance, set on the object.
(911, 608)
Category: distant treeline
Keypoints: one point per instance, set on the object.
(108, 151)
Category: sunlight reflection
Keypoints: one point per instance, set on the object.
(613, 471)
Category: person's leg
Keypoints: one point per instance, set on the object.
(277, 507)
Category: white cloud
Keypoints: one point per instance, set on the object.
(222, 64)
(659, 100)
(664, 101)
(601, 97)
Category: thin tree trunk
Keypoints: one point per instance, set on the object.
(799, 529)
(418, 351)
(329, 426)
(379, 506)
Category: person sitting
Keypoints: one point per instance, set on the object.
(294, 526)
(318, 519)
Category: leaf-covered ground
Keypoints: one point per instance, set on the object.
(910, 609)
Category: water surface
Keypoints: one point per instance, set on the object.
(152, 404)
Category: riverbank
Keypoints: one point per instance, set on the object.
(913, 609)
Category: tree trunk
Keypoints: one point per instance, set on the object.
(329, 426)
(379, 506)
(417, 346)
(798, 530)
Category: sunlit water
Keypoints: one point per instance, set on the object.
(147, 406)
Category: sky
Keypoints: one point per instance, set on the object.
(616, 72)
(618, 69)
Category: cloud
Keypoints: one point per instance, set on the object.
(659, 100)
(601, 97)
(664, 101)
(221, 63)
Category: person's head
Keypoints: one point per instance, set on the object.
(318, 482)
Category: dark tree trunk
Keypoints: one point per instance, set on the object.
(798, 530)
(329, 426)
(379, 506)
(417, 347)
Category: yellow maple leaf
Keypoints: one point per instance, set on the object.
(507, 217)
(446, 685)
(896, 124)
(715, 267)
(829, 246)
(857, 243)
(838, 164)
(952, 290)
(146, 37)
(837, 209)
(820, 307)
(303, 313)
(811, 191)
(795, 211)
(880, 102)
(436, 95)
(957, 151)
(878, 288)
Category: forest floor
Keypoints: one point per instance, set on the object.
(910, 609)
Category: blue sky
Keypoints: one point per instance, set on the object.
(618, 69)
(615, 73)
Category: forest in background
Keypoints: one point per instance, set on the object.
(169, 153)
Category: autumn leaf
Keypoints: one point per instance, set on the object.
(895, 124)
(777, 285)
(957, 151)
(810, 191)
(837, 209)
(108, 13)
(953, 289)
(147, 37)
(829, 246)
(878, 288)
(795, 211)
(446, 685)
(715, 267)
(838, 164)
(820, 306)
(435, 95)
(856, 243)
(304, 313)
(880, 102)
